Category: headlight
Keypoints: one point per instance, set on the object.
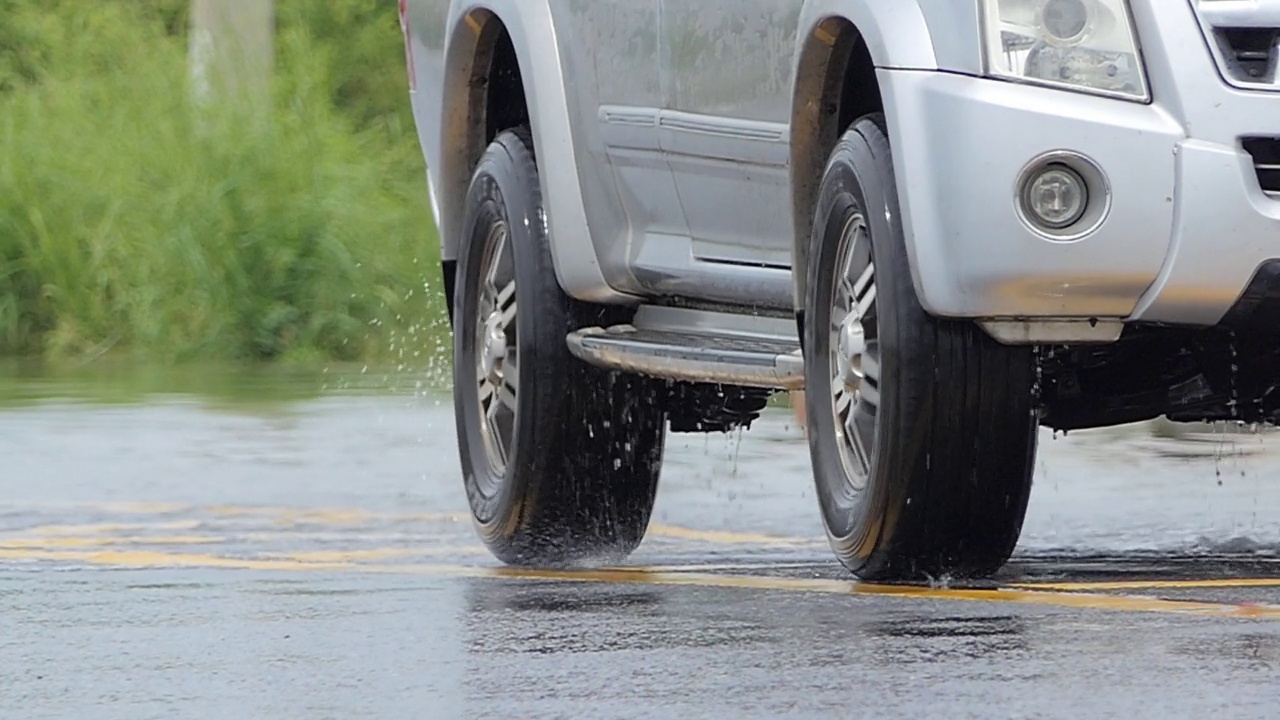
(1085, 45)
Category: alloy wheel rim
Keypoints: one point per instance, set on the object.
(496, 351)
(854, 356)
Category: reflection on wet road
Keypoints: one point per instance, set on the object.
(313, 558)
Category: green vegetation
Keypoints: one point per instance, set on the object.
(137, 223)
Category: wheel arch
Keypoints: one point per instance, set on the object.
(502, 66)
(841, 46)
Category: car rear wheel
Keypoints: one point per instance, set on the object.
(922, 430)
(560, 460)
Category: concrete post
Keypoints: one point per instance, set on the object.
(232, 49)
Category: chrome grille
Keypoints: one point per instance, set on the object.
(1266, 160)
(1244, 36)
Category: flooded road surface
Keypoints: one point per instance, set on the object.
(260, 551)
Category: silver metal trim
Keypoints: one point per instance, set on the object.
(612, 349)
(1240, 13)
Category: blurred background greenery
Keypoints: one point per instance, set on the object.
(138, 224)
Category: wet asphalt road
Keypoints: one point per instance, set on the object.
(311, 558)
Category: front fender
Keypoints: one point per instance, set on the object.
(895, 31)
(533, 34)
(896, 35)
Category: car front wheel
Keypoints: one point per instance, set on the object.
(922, 431)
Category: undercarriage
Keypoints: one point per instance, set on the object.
(1227, 372)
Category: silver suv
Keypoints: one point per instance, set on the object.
(949, 222)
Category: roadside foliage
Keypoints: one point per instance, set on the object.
(136, 221)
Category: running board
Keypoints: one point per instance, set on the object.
(692, 356)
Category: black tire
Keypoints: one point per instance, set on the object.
(945, 413)
(575, 474)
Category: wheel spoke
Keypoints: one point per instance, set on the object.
(864, 279)
(859, 427)
(511, 369)
(495, 429)
(843, 398)
(870, 387)
(850, 257)
(506, 304)
(507, 393)
(496, 252)
(866, 294)
(844, 299)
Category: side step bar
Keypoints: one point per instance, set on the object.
(690, 355)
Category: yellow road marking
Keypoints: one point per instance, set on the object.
(156, 559)
(59, 543)
(142, 508)
(1151, 584)
(354, 556)
(722, 567)
(74, 542)
(322, 516)
(840, 587)
(108, 528)
(1045, 598)
(346, 517)
(724, 537)
(328, 516)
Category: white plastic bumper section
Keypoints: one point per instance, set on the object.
(1187, 227)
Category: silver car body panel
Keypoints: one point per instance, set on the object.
(445, 37)
(647, 153)
(666, 135)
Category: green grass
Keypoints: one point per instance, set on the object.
(136, 222)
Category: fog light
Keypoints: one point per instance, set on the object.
(1055, 197)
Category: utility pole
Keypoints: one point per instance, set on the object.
(232, 49)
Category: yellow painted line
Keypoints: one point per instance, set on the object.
(109, 528)
(322, 516)
(1043, 598)
(722, 567)
(1152, 584)
(76, 542)
(142, 508)
(328, 516)
(840, 587)
(354, 556)
(725, 537)
(156, 559)
(350, 539)
(339, 515)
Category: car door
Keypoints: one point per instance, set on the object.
(724, 128)
(611, 55)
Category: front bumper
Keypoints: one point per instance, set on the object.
(1187, 229)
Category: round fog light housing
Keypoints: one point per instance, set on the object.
(1055, 197)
